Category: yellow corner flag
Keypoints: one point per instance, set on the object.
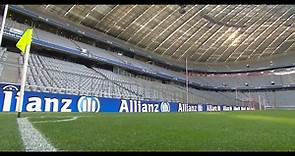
(25, 40)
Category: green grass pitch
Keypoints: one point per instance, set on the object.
(10, 139)
(195, 131)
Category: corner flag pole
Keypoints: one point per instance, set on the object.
(23, 80)
(3, 23)
(24, 44)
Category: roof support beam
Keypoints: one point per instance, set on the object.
(263, 32)
(182, 25)
(268, 38)
(158, 13)
(192, 36)
(188, 49)
(135, 20)
(282, 43)
(69, 10)
(106, 15)
(194, 25)
(212, 35)
(244, 32)
(167, 28)
(292, 46)
(253, 32)
(88, 13)
(230, 37)
(235, 32)
(47, 6)
(238, 38)
(120, 19)
(261, 15)
(177, 29)
(229, 30)
(175, 10)
(274, 40)
(209, 30)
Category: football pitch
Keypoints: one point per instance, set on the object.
(190, 131)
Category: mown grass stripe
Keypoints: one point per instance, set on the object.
(206, 131)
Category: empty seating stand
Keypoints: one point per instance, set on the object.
(48, 74)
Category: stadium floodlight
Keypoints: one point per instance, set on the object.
(182, 10)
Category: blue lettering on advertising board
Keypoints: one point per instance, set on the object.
(51, 102)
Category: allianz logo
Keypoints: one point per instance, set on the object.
(138, 106)
(10, 94)
(188, 108)
(88, 104)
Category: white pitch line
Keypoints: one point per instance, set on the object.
(63, 120)
(32, 138)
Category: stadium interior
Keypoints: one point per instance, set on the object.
(225, 54)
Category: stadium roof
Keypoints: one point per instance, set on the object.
(202, 33)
